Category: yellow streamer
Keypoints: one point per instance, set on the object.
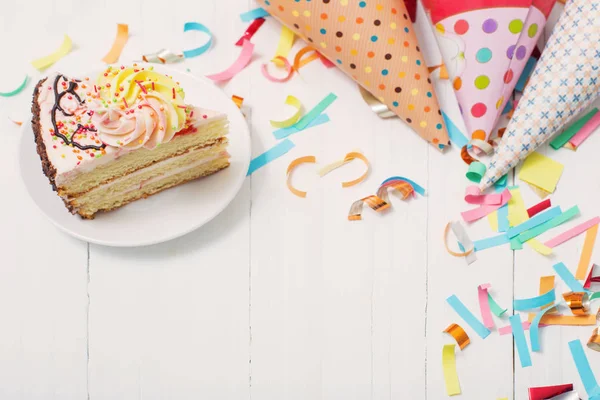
(300, 62)
(286, 41)
(449, 367)
(286, 123)
(349, 157)
(118, 45)
(44, 62)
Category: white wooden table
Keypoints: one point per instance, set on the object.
(278, 297)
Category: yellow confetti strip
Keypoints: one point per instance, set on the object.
(291, 167)
(449, 367)
(294, 102)
(44, 62)
(118, 45)
(286, 41)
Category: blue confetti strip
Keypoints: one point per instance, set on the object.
(196, 26)
(468, 316)
(566, 275)
(254, 14)
(520, 342)
(534, 221)
(272, 154)
(534, 302)
(285, 132)
(493, 241)
(456, 136)
(584, 369)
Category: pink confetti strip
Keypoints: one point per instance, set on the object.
(237, 66)
(288, 68)
(585, 131)
(485, 209)
(484, 305)
(474, 196)
(507, 330)
(571, 233)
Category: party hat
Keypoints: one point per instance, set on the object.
(374, 42)
(485, 45)
(564, 83)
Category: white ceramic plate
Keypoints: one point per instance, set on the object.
(166, 215)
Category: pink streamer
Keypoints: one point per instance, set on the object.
(571, 233)
(326, 62)
(237, 66)
(474, 196)
(485, 209)
(585, 131)
(288, 69)
(484, 305)
(505, 330)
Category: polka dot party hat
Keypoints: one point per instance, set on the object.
(485, 45)
(373, 41)
(565, 82)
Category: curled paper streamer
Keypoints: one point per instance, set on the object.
(118, 44)
(376, 106)
(568, 133)
(546, 392)
(16, 90)
(534, 335)
(285, 132)
(349, 157)
(196, 26)
(584, 369)
(252, 29)
(300, 62)
(578, 302)
(585, 132)
(272, 154)
(591, 278)
(466, 157)
(286, 41)
(373, 201)
(44, 62)
(162, 56)
(417, 188)
(534, 302)
(449, 367)
(458, 231)
(459, 334)
(288, 68)
(468, 316)
(291, 167)
(484, 209)
(254, 14)
(475, 172)
(494, 307)
(294, 102)
(239, 64)
(594, 341)
(239, 101)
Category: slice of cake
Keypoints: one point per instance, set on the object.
(126, 135)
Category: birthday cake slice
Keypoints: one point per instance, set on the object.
(125, 135)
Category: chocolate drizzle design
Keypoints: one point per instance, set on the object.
(80, 128)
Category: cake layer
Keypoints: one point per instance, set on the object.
(157, 184)
(131, 161)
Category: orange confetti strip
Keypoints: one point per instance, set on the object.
(291, 167)
(118, 45)
(443, 71)
(546, 285)
(459, 334)
(239, 101)
(15, 122)
(572, 320)
(586, 252)
(355, 155)
(300, 62)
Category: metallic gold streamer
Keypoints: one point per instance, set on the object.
(291, 167)
(239, 101)
(163, 56)
(459, 334)
(594, 341)
(373, 201)
(377, 106)
(578, 302)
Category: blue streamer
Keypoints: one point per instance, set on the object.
(527, 70)
(501, 183)
(584, 369)
(493, 241)
(272, 154)
(415, 185)
(520, 342)
(285, 132)
(566, 275)
(534, 302)
(507, 107)
(196, 26)
(534, 221)
(456, 136)
(503, 218)
(254, 14)
(534, 329)
(468, 316)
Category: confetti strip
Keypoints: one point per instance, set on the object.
(534, 302)
(42, 63)
(377, 107)
(449, 367)
(566, 320)
(484, 305)
(288, 68)
(118, 44)
(272, 154)
(547, 284)
(285, 132)
(418, 188)
(585, 132)
(517, 213)
(196, 26)
(294, 102)
(459, 334)
(568, 278)
(533, 222)
(496, 309)
(467, 316)
(538, 208)
(351, 156)
(254, 14)
(375, 202)
(474, 196)
(239, 101)
(468, 249)
(291, 167)
(19, 123)
(243, 60)
(586, 252)
(552, 223)
(502, 214)
(17, 90)
(591, 278)
(485, 209)
(534, 335)
(493, 241)
(252, 29)
(316, 111)
(520, 342)
(571, 233)
(507, 330)
(568, 133)
(546, 392)
(300, 62)
(286, 41)
(583, 368)
(455, 134)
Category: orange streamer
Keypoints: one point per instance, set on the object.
(118, 44)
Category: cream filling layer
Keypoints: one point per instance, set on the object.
(156, 166)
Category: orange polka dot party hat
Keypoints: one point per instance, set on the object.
(485, 45)
(374, 42)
